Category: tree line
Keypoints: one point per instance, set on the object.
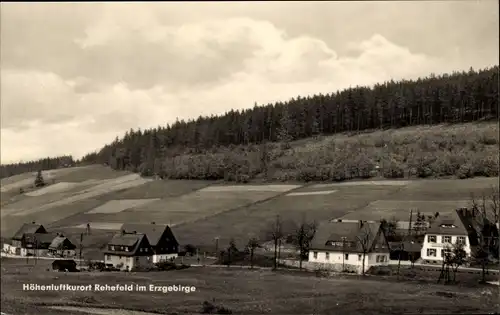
(450, 98)
(458, 97)
(49, 163)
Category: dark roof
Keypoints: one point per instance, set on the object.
(153, 231)
(464, 221)
(458, 227)
(352, 231)
(125, 239)
(58, 241)
(41, 238)
(133, 240)
(408, 246)
(27, 228)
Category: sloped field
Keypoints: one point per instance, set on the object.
(241, 224)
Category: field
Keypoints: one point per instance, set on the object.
(201, 211)
(242, 291)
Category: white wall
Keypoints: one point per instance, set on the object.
(128, 261)
(163, 257)
(352, 259)
(439, 245)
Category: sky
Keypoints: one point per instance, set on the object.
(76, 75)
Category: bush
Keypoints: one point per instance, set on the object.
(210, 308)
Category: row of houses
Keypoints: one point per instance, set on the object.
(336, 245)
(350, 245)
(135, 246)
(34, 240)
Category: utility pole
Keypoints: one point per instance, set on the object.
(409, 224)
(343, 253)
(216, 246)
(81, 245)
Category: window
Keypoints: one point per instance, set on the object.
(359, 257)
(381, 258)
(346, 256)
(136, 259)
(126, 249)
(444, 252)
(431, 252)
(327, 256)
(431, 238)
(108, 257)
(112, 247)
(315, 254)
(461, 240)
(446, 239)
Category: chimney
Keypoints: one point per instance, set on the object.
(361, 223)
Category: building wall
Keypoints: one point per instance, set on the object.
(163, 257)
(131, 262)
(10, 249)
(65, 253)
(439, 245)
(349, 260)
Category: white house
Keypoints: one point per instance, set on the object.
(463, 226)
(345, 245)
(129, 251)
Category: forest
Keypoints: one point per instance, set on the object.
(241, 145)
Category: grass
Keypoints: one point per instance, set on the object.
(253, 220)
(244, 292)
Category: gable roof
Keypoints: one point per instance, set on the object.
(27, 228)
(59, 241)
(153, 231)
(465, 221)
(451, 218)
(128, 240)
(40, 238)
(352, 231)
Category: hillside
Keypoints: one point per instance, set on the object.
(255, 143)
(201, 210)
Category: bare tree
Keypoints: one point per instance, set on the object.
(495, 203)
(481, 256)
(302, 238)
(252, 244)
(364, 240)
(275, 233)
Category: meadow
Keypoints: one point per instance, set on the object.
(241, 290)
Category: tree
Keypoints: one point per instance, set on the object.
(481, 256)
(284, 131)
(302, 238)
(39, 182)
(420, 224)
(252, 244)
(232, 251)
(389, 228)
(458, 258)
(275, 233)
(364, 240)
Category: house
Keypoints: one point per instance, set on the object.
(346, 245)
(464, 226)
(61, 246)
(406, 250)
(37, 244)
(160, 237)
(129, 251)
(20, 244)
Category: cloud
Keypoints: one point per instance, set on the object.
(121, 72)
